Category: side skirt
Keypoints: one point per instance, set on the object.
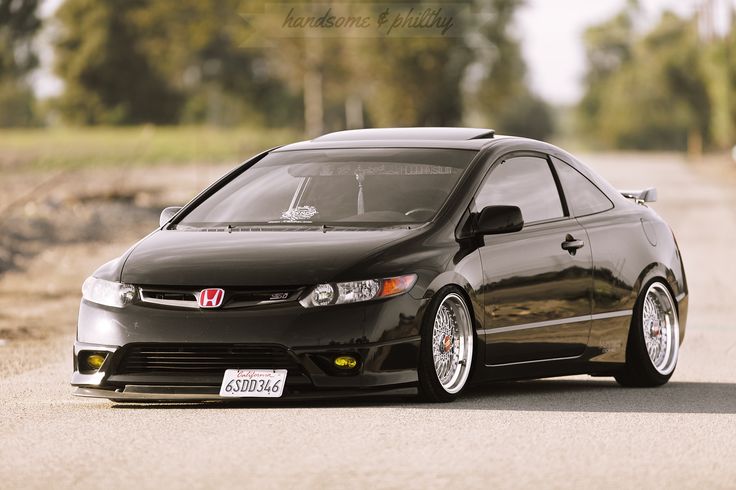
(548, 368)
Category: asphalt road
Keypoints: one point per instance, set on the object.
(564, 432)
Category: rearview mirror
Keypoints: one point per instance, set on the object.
(167, 214)
(493, 220)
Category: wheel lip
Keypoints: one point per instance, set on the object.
(670, 361)
(457, 382)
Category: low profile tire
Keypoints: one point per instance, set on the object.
(654, 339)
(446, 350)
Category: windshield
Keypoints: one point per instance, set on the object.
(369, 187)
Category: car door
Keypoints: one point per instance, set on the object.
(616, 241)
(538, 281)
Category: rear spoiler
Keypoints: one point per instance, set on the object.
(644, 195)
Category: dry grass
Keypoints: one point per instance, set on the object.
(60, 148)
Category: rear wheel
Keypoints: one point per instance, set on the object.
(654, 339)
(446, 347)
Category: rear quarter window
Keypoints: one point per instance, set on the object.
(582, 196)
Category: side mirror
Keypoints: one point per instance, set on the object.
(493, 220)
(167, 214)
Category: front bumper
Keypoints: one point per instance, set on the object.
(383, 335)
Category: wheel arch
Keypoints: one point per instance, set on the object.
(658, 270)
(470, 291)
(667, 276)
(471, 295)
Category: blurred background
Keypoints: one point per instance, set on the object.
(611, 74)
(110, 110)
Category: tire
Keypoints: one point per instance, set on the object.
(654, 339)
(446, 349)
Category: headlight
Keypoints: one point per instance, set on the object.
(355, 291)
(107, 293)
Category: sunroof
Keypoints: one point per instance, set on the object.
(446, 134)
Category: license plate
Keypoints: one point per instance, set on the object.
(264, 383)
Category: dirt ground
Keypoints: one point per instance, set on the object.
(59, 227)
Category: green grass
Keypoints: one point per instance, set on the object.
(139, 145)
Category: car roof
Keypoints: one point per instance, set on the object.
(457, 138)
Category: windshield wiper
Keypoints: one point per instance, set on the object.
(289, 225)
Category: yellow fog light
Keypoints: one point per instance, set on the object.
(345, 362)
(95, 361)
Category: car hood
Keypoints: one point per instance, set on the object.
(251, 258)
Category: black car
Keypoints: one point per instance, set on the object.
(393, 261)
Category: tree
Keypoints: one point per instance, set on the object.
(608, 48)
(197, 47)
(729, 99)
(526, 115)
(163, 61)
(417, 81)
(18, 24)
(166, 61)
(647, 91)
(107, 77)
(496, 92)
(349, 78)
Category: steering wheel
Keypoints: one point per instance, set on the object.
(418, 210)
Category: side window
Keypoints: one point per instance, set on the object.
(526, 182)
(583, 197)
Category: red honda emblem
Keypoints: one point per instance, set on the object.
(211, 298)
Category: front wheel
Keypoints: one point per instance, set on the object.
(654, 339)
(446, 355)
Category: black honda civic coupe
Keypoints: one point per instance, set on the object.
(388, 261)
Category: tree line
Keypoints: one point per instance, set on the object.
(668, 87)
(168, 62)
(184, 62)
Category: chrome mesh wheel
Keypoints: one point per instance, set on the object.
(661, 328)
(452, 343)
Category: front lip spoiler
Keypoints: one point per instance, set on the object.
(145, 393)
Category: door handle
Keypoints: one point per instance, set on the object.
(572, 245)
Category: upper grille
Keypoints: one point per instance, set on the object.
(234, 297)
(203, 359)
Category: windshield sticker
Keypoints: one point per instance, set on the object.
(299, 213)
(337, 169)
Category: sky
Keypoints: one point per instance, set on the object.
(550, 32)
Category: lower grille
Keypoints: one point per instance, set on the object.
(203, 359)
